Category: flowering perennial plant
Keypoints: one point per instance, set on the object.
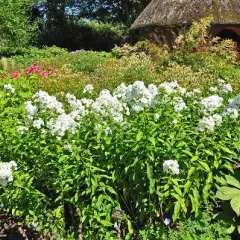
(82, 157)
(126, 100)
(6, 172)
(8, 88)
(171, 166)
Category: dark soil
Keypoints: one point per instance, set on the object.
(12, 229)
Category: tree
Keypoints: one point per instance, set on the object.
(15, 28)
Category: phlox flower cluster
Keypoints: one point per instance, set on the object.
(210, 120)
(45, 112)
(209, 123)
(6, 172)
(88, 89)
(21, 129)
(62, 124)
(222, 87)
(138, 97)
(47, 103)
(232, 110)
(172, 87)
(15, 75)
(179, 104)
(107, 104)
(9, 88)
(79, 107)
(211, 103)
(171, 166)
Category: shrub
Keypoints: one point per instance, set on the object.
(15, 28)
(30, 55)
(80, 61)
(187, 77)
(200, 228)
(197, 40)
(88, 35)
(126, 69)
(151, 151)
(160, 55)
(208, 64)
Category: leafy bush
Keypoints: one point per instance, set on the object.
(229, 192)
(80, 61)
(200, 228)
(209, 64)
(197, 40)
(88, 35)
(30, 55)
(15, 28)
(126, 69)
(187, 77)
(152, 151)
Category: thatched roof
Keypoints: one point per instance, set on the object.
(180, 12)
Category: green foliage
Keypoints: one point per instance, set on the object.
(66, 188)
(80, 61)
(30, 55)
(197, 40)
(196, 37)
(229, 191)
(200, 228)
(15, 28)
(82, 34)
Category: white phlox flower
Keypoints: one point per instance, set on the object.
(21, 129)
(213, 89)
(108, 105)
(137, 96)
(68, 147)
(224, 87)
(6, 171)
(208, 123)
(62, 124)
(171, 166)
(47, 103)
(211, 103)
(9, 88)
(169, 87)
(231, 112)
(38, 123)
(179, 104)
(88, 88)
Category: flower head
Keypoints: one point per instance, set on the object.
(171, 166)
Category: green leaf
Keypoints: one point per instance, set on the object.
(176, 211)
(106, 223)
(209, 152)
(152, 140)
(100, 133)
(231, 229)
(178, 190)
(194, 158)
(150, 177)
(188, 153)
(139, 136)
(227, 150)
(191, 171)
(227, 193)
(187, 186)
(130, 227)
(235, 204)
(232, 181)
(206, 167)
